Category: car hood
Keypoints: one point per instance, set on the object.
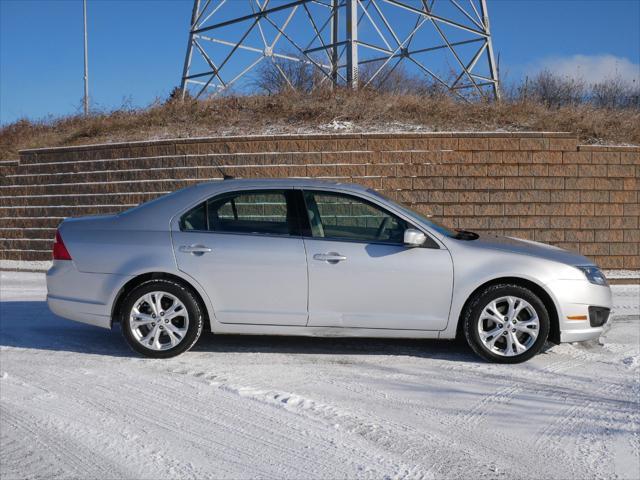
(531, 248)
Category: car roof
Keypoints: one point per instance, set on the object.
(153, 214)
(280, 182)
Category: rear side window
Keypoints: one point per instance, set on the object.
(259, 212)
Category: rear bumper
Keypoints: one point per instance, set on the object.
(81, 296)
(89, 313)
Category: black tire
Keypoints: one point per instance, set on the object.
(194, 328)
(475, 306)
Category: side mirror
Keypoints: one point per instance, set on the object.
(414, 238)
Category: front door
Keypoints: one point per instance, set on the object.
(362, 275)
(245, 249)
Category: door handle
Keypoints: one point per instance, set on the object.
(195, 249)
(331, 257)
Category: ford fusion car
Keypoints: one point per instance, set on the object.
(303, 257)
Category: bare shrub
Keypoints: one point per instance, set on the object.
(553, 90)
(280, 75)
(301, 76)
(616, 93)
(394, 79)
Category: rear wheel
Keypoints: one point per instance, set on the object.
(506, 323)
(161, 319)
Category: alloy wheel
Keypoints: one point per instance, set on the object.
(508, 326)
(158, 321)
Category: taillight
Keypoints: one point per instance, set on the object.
(60, 252)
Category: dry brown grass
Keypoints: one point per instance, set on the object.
(291, 112)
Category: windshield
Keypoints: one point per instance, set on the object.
(415, 215)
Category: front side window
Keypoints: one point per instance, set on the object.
(260, 212)
(417, 216)
(339, 216)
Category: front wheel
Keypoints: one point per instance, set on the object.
(506, 323)
(161, 319)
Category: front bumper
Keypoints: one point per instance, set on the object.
(591, 333)
(574, 299)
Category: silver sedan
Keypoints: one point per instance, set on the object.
(303, 257)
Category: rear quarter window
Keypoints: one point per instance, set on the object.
(194, 219)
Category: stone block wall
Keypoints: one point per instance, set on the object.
(540, 186)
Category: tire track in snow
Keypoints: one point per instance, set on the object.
(345, 452)
(82, 462)
(504, 395)
(88, 419)
(129, 402)
(383, 438)
(394, 438)
(303, 434)
(467, 429)
(582, 426)
(193, 427)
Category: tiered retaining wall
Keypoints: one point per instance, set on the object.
(540, 186)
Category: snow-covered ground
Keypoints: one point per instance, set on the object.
(76, 403)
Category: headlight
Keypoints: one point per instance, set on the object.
(594, 275)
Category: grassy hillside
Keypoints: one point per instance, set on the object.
(340, 110)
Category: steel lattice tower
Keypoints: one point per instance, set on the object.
(446, 41)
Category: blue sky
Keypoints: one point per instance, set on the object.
(137, 47)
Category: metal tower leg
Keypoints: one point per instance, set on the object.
(188, 56)
(335, 17)
(492, 62)
(352, 43)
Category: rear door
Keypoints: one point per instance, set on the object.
(362, 275)
(246, 250)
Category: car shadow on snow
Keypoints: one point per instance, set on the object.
(30, 324)
(443, 350)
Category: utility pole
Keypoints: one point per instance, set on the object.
(86, 60)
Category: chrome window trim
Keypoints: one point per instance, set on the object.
(256, 234)
(347, 240)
